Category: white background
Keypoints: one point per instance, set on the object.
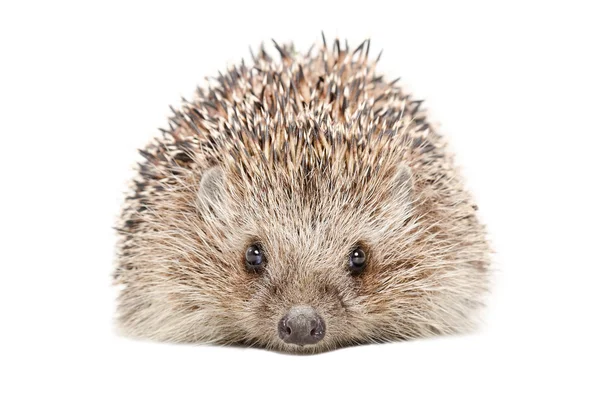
(515, 87)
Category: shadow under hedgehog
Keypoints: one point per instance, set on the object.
(300, 204)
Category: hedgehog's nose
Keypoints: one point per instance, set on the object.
(301, 326)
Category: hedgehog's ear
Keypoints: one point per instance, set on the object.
(403, 184)
(212, 187)
(403, 177)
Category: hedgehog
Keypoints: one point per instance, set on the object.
(300, 203)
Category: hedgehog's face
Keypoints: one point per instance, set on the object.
(301, 261)
(304, 266)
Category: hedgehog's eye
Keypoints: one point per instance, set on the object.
(358, 261)
(255, 258)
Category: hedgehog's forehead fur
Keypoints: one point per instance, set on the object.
(308, 156)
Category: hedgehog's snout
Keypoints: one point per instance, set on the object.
(301, 326)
